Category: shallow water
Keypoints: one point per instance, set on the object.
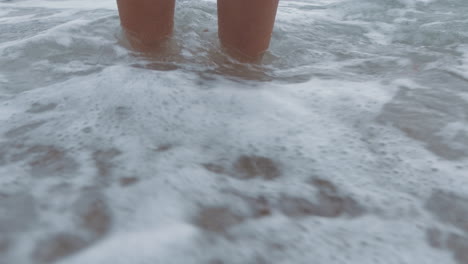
(348, 144)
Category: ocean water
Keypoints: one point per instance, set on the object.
(347, 144)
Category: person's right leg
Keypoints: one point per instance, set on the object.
(245, 26)
(146, 22)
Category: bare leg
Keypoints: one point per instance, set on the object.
(245, 26)
(146, 22)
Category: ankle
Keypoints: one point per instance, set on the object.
(146, 22)
(245, 26)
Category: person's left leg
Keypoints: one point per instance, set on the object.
(146, 22)
(245, 26)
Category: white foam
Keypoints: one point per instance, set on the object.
(162, 244)
(69, 4)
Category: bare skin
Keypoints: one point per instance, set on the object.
(245, 26)
(146, 23)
